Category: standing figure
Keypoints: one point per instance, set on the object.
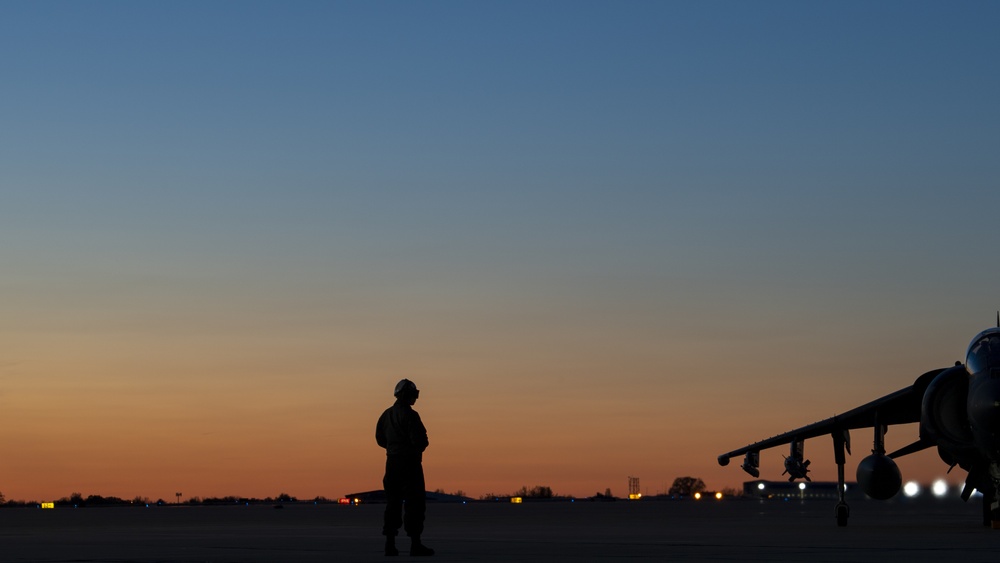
(404, 438)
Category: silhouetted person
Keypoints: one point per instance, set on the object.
(404, 438)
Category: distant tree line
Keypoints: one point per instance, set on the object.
(283, 497)
(682, 486)
(77, 500)
(536, 492)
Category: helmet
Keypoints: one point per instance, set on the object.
(406, 388)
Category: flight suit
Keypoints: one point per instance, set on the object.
(404, 438)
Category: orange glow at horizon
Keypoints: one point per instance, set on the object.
(148, 426)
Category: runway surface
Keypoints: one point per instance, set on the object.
(733, 530)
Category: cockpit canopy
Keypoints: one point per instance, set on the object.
(984, 352)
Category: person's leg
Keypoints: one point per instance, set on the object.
(416, 508)
(393, 517)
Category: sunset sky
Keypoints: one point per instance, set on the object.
(605, 239)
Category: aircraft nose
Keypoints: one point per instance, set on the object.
(984, 415)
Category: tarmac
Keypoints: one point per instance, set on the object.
(688, 530)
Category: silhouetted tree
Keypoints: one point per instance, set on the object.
(686, 486)
(76, 499)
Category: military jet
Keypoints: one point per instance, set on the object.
(958, 409)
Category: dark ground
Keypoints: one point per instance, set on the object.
(733, 530)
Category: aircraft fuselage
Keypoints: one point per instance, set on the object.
(983, 364)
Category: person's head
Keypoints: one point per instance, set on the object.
(406, 391)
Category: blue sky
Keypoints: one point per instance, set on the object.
(510, 196)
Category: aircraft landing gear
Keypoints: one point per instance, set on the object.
(843, 512)
(841, 442)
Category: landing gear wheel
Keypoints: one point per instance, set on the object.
(843, 511)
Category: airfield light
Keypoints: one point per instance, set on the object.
(634, 496)
(718, 496)
(357, 501)
(760, 486)
(940, 488)
(516, 500)
(48, 505)
(802, 486)
(697, 496)
(911, 489)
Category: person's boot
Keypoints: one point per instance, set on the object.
(419, 549)
(390, 546)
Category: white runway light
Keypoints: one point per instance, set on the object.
(940, 488)
(911, 489)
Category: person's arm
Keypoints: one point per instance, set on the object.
(418, 434)
(380, 432)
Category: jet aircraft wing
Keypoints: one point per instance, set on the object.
(900, 407)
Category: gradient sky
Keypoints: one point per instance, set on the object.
(604, 238)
